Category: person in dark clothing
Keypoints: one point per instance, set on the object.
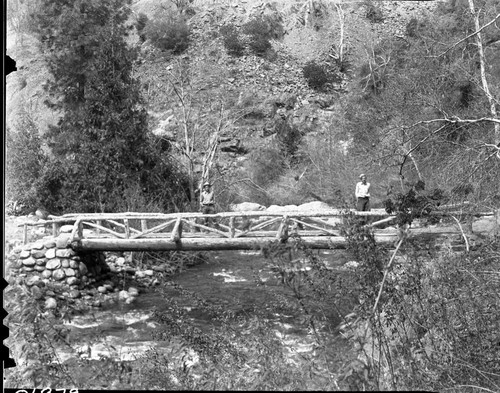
(207, 201)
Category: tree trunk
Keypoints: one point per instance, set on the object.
(482, 63)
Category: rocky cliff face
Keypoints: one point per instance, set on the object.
(263, 91)
(258, 90)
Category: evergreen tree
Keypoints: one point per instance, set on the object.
(100, 145)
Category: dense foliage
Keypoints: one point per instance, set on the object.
(169, 34)
(315, 75)
(100, 150)
(25, 161)
(261, 30)
(418, 101)
(232, 41)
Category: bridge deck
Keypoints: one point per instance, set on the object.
(226, 231)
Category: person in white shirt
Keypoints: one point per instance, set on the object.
(363, 194)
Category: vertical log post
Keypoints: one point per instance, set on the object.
(98, 231)
(177, 231)
(282, 234)
(231, 227)
(127, 228)
(55, 229)
(80, 229)
(144, 225)
(25, 234)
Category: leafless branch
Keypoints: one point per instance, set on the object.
(385, 274)
(454, 120)
(467, 37)
(463, 234)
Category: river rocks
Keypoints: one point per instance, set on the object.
(49, 244)
(36, 292)
(50, 303)
(18, 264)
(83, 268)
(38, 254)
(37, 246)
(58, 274)
(53, 264)
(69, 272)
(29, 262)
(133, 291)
(123, 295)
(62, 240)
(68, 277)
(72, 281)
(160, 268)
(65, 253)
(32, 280)
(75, 293)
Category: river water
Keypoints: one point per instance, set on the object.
(240, 281)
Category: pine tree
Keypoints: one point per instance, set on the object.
(100, 144)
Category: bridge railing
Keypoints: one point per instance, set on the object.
(174, 226)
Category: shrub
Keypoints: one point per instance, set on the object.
(232, 42)
(315, 75)
(259, 44)
(24, 162)
(168, 35)
(288, 138)
(140, 24)
(373, 13)
(266, 165)
(261, 30)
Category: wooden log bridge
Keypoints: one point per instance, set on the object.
(224, 231)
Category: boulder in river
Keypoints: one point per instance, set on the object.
(36, 292)
(50, 303)
(133, 291)
(123, 295)
(75, 293)
(32, 280)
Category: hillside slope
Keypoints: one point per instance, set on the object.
(256, 93)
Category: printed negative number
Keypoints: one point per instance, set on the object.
(47, 390)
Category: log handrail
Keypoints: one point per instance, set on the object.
(312, 223)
